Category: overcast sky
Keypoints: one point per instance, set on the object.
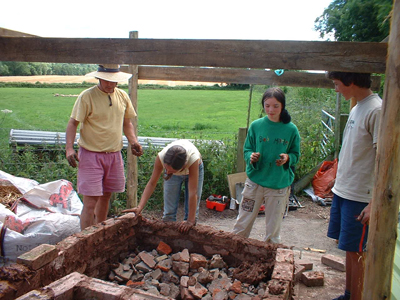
(166, 19)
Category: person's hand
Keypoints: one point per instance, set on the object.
(72, 158)
(365, 215)
(185, 226)
(136, 149)
(135, 210)
(254, 157)
(284, 158)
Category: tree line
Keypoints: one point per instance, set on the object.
(355, 20)
(16, 68)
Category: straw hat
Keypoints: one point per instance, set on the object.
(110, 72)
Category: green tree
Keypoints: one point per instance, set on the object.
(4, 70)
(354, 20)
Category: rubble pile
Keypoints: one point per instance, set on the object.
(185, 275)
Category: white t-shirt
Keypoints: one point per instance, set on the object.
(192, 154)
(355, 174)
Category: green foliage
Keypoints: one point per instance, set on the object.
(354, 20)
(43, 165)
(17, 68)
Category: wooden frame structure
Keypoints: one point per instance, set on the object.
(246, 61)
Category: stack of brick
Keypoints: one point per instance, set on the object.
(97, 250)
(185, 275)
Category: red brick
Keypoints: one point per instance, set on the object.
(306, 263)
(93, 235)
(283, 271)
(134, 283)
(197, 261)
(284, 255)
(65, 286)
(298, 270)
(333, 261)
(277, 289)
(39, 256)
(164, 248)
(313, 278)
(236, 287)
(148, 259)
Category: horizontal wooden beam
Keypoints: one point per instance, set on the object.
(261, 54)
(241, 76)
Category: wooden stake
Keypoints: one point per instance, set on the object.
(132, 169)
(386, 195)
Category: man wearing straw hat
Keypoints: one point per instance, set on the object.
(103, 112)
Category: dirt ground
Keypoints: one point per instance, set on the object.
(302, 229)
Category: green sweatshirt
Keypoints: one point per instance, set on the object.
(271, 139)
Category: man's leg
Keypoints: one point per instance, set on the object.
(95, 209)
(101, 210)
(87, 214)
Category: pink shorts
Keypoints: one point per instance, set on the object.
(100, 172)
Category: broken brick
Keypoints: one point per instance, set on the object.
(306, 263)
(147, 258)
(313, 278)
(298, 270)
(164, 248)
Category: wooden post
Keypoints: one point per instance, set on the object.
(249, 107)
(241, 166)
(386, 195)
(337, 125)
(132, 169)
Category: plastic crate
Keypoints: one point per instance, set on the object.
(218, 206)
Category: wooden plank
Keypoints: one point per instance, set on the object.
(243, 76)
(386, 194)
(261, 54)
(233, 179)
(229, 75)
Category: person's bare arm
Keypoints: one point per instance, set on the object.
(70, 135)
(129, 132)
(150, 187)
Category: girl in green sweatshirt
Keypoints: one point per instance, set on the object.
(272, 147)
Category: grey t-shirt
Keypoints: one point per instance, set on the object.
(355, 174)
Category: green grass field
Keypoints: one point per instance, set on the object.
(162, 113)
(175, 113)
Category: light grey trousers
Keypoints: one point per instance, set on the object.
(275, 202)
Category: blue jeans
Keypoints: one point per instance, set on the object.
(172, 190)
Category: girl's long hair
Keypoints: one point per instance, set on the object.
(278, 94)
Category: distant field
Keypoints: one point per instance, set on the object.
(211, 114)
(80, 79)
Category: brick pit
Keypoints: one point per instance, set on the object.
(78, 266)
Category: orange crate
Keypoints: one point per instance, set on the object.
(216, 205)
